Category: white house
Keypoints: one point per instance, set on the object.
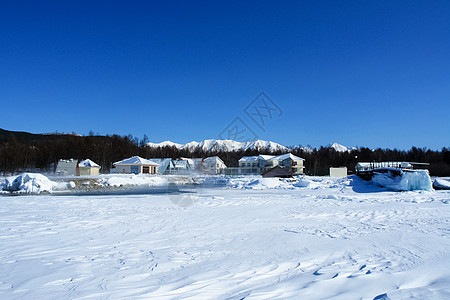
(135, 165)
(88, 167)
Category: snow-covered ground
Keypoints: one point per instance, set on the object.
(252, 238)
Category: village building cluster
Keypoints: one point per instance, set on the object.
(284, 165)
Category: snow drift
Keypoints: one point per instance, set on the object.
(441, 184)
(29, 183)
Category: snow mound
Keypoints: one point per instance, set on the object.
(29, 183)
(135, 180)
(259, 183)
(408, 181)
(441, 184)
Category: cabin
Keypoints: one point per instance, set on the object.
(67, 167)
(135, 165)
(88, 167)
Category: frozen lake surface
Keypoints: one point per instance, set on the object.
(332, 238)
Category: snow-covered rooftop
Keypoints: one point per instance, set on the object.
(266, 157)
(383, 164)
(257, 157)
(286, 156)
(87, 163)
(136, 160)
(249, 158)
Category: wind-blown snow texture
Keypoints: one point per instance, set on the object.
(316, 238)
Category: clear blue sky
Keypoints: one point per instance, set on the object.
(362, 73)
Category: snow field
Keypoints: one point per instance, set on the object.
(334, 239)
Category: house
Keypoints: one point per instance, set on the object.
(135, 165)
(67, 167)
(254, 164)
(288, 160)
(196, 164)
(213, 165)
(181, 166)
(168, 166)
(338, 172)
(278, 171)
(165, 165)
(209, 165)
(88, 167)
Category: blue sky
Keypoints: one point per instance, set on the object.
(362, 73)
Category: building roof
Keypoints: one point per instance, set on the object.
(257, 157)
(395, 164)
(163, 164)
(213, 159)
(87, 163)
(266, 157)
(182, 164)
(136, 160)
(249, 158)
(286, 156)
(67, 166)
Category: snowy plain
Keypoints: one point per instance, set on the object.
(252, 238)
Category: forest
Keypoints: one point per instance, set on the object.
(22, 151)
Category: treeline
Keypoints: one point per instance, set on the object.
(318, 161)
(34, 152)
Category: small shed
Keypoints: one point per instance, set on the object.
(278, 171)
(135, 165)
(88, 167)
(338, 172)
(67, 167)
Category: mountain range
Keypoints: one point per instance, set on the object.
(231, 145)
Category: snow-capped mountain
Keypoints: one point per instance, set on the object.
(340, 148)
(163, 144)
(224, 145)
(231, 145)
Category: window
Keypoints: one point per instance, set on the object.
(135, 169)
(146, 170)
